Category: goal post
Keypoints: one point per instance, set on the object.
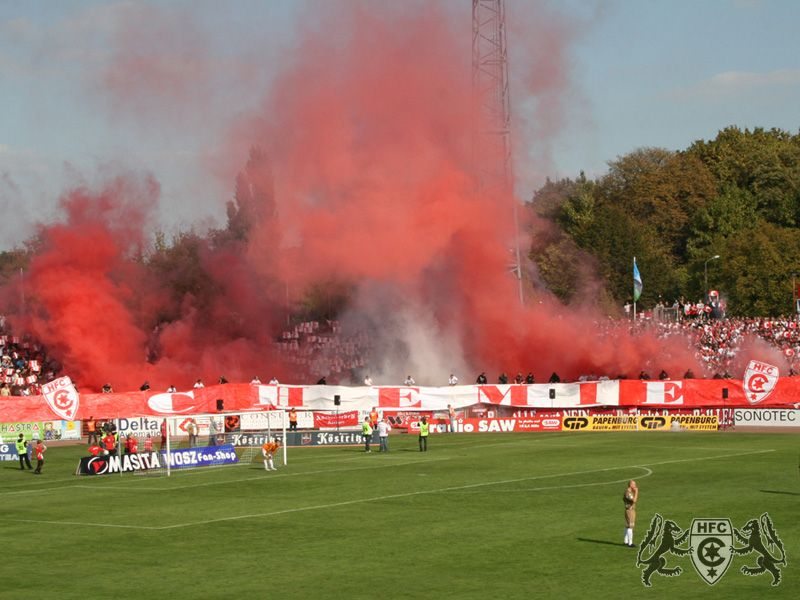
(251, 430)
(159, 445)
(207, 440)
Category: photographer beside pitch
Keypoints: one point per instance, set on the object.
(629, 498)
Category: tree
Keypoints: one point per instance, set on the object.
(764, 163)
(253, 203)
(756, 269)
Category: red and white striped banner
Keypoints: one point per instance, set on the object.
(673, 394)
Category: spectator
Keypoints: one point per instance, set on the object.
(452, 380)
(482, 379)
(530, 378)
(198, 384)
(107, 389)
(503, 379)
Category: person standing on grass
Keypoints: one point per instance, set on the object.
(374, 417)
(110, 444)
(383, 434)
(366, 428)
(131, 445)
(630, 497)
(213, 432)
(192, 430)
(40, 448)
(268, 450)
(452, 413)
(22, 450)
(91, 429)
(423, 434)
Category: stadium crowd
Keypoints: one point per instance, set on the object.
(24, 366)
(314, 348)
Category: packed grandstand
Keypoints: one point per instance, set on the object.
(321, 347)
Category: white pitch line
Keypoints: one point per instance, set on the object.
(377, 498)
(226, 482)
(560, 487)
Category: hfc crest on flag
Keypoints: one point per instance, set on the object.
(759, 381)
(62, 398)
(711, 541)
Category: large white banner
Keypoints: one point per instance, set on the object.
(559, 395)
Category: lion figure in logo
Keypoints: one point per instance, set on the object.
(663, 537)
(760, 536)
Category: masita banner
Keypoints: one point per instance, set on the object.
(125, 463)
(644, 394)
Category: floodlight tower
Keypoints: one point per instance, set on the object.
(491, 125)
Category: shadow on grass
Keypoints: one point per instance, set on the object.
(779, 492)
(602, 542)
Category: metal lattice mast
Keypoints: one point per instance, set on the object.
(491, 136)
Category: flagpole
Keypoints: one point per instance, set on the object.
(634, 292)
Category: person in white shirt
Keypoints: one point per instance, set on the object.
(171, 389)
(453, 379)
(383, 434)
(256, 380)
(273, 381)
(199, 384)
(368, 381)
(410, 380)
(192, 429)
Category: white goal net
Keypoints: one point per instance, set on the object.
(157, 446)
(222, 439)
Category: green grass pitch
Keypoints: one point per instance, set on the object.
(496, 516)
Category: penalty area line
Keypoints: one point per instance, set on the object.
(378, 498)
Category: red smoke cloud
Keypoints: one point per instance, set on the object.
(367, 133)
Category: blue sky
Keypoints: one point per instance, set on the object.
(640, 73)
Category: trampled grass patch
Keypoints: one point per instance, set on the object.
(535, 515)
